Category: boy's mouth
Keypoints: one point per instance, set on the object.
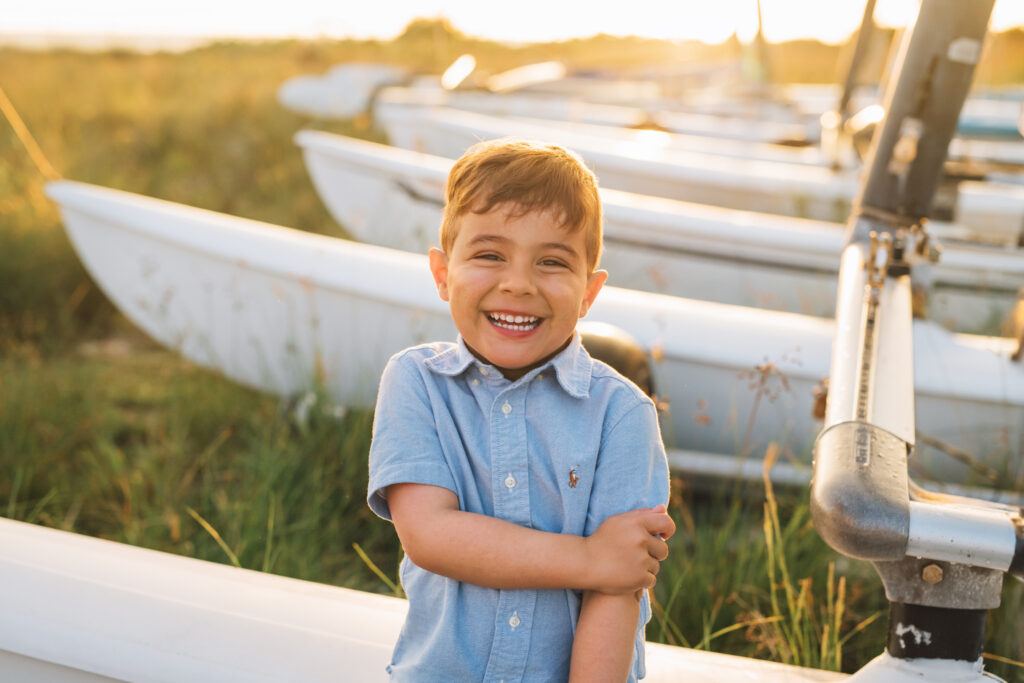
(514, 322)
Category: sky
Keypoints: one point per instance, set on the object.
(120, 21)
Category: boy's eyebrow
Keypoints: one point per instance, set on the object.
(485, 238)
(562, 246)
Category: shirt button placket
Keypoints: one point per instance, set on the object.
(509, 452)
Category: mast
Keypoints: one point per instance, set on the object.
(941, 558)
(836, 139)
(860, 50)
(762, 51)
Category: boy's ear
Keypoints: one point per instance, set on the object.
(439, 269)
(595, 281)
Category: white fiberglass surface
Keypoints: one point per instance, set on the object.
(276, 309)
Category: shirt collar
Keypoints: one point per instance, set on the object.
(572, 366)
(453, 360)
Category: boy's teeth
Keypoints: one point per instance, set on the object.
(515, 322)
(516, 319)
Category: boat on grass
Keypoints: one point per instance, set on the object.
(568, 108)
(85, 610)
(286, 311)
(991, 212)
(393, 197)
(343, 92)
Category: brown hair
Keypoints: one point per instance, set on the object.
(527, 176)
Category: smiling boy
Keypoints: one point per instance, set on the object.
(526, 481)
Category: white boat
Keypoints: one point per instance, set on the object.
(348, 90)
(999, 161)
(283, 310)
(86, 610)
(392, 197)
(991, 113)
(567, 108)
(989, 211)
(343, 92)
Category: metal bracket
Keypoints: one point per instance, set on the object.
(934, 583)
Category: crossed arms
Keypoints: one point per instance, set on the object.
(612, 566)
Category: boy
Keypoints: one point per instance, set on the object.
(505, 459)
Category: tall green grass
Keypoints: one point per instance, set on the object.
(140, 447)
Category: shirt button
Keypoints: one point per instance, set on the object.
(540, 376)
(506, 408)
(475, 382)
(510, 481)
(483, 371)
(514, 620)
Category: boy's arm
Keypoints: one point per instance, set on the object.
(632, 471)
(605, 637)
(621, 556)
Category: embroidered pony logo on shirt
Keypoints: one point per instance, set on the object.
(573, 478)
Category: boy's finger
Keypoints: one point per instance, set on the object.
(660, 524)
(657, 549)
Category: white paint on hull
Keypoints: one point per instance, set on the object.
(393, 197)
(280, 310)
(991, 212)
(343, 92)
(545, 106)
(84, 610)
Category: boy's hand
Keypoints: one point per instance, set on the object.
(625, 553)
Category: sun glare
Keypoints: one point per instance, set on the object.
(532, 20)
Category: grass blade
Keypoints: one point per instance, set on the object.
(213, 532)
(395, 588)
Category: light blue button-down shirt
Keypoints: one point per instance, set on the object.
(560, 449)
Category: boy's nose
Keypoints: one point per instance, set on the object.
(517, 281)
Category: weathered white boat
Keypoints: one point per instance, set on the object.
(1000, 161)
(343, 92)
(567, 108)
(283, 310)
(392, 197)
(989, 211)
(993, 113)
(85, 610)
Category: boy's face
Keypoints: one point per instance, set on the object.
(516, 286)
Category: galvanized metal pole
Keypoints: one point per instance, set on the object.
(942, 564)
(922, 105)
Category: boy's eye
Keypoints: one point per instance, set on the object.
(488, 257)
(554, 262)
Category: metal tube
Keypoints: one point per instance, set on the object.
(958, 533)
(885, 376)
(922, 105)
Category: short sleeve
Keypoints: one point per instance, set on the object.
(405, 447)
(632, 470)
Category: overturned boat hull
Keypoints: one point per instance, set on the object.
(989, 211)
(393, 197)
(80, 609)
(284, 311)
